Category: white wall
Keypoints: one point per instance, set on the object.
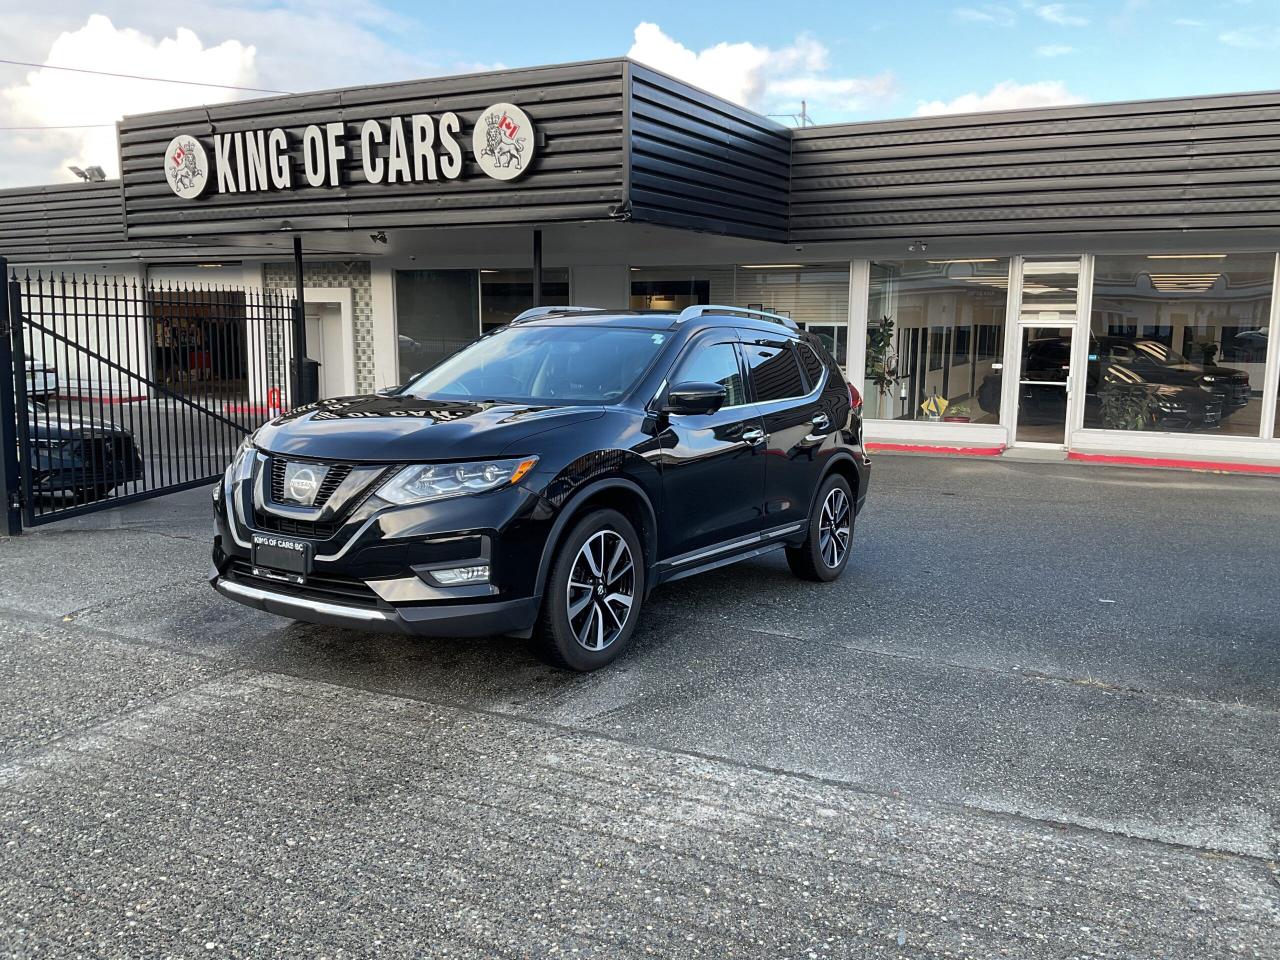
(89, 310)
(600, 286)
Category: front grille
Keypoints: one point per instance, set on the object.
(337, 473)
(314, 529)
(321, 587)
(108, 458)
(298, 528)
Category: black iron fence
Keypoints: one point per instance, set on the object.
(123, 391)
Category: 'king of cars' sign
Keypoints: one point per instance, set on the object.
(414, 149)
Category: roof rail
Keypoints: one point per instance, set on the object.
(702, 309)
(534, 312)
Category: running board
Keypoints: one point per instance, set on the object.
(719, 555)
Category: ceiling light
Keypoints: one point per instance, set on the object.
(972, 260)
(772, 266)
(1186, 256)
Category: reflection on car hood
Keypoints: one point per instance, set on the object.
(1193, 371)
(407, 428)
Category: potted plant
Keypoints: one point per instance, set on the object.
(882, 362)
(959, 412)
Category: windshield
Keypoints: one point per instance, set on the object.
(542, 364)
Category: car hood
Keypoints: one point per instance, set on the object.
(405, 428)
(64, 427)
(1186, 372)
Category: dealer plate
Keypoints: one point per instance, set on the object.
(289, 560)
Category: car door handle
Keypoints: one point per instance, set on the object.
(754, 436)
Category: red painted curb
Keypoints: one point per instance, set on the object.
(923, 448)
(1216, 466)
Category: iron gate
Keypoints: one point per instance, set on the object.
(124, 391)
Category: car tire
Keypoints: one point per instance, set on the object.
(594, 593)
(825, 552)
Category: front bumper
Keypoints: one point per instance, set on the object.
(376, 569)
(435, 620)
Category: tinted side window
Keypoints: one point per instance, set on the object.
(774, 372)
(812, 365)
(713, 363)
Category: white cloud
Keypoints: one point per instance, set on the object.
(762, 78)
(1059, 14)
(298, 45)
(1252, 38)
(986, 13)
(62, 98)
(1054, 50)
(1003, 96)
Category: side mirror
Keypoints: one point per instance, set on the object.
(695, 399)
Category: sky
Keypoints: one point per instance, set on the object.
(848, 61)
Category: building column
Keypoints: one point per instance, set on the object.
(386, 358)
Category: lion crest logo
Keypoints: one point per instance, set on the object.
(504, 141)
(186, 166)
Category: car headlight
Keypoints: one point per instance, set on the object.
(1208, 379)
(242, 462)
(436, 481)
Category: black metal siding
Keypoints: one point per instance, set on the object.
(75, 221)
(703, 163)
(577, 173)
(1207, 163)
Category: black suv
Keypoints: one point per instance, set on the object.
(545, 478)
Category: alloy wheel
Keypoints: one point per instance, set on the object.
(833, 528)
(601, 590)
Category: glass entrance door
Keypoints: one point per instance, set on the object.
(1046, 326)
(1044, 384)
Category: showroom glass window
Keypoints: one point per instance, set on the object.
(674, 288)
(815, 296)
(935, 339)
(504, 294)
(1178, 343)
(440, 311)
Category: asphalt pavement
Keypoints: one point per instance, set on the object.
(1038, 717)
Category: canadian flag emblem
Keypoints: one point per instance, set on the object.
(178, 155)
(504, 141)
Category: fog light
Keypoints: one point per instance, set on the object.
(456, 576)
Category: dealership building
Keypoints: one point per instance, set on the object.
(1088, 281)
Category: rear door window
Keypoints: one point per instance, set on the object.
(774, 372)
